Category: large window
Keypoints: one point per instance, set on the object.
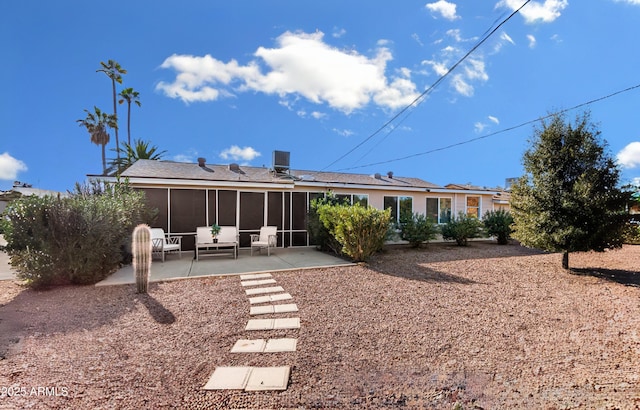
(439, 210)
(401, 207)
(473, 206)
(353, 199)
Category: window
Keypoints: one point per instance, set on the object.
(361, 199)
(401, 207)
(439, 210)
(473, 206)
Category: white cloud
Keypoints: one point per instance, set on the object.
(629, 156)
(338, 32)
(10, 167)
(532, 40)
(344, 133)
(504, 36)
(479, 127)
(236, 153)
(416, 37)
(535, 11)
(634, 2)
(302, 64)
(493, 119)
(473, 70)
(443, 8)
(318, 115)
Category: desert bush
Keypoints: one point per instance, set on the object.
(361, 231)
(632, 233)
(78, 239)
(319, 234)
(498, 223)
(461, 229)
(418, 229)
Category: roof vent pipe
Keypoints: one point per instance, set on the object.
(201, 162)
(377, 175)
(390, 174)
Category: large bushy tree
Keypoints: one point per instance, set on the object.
(569, 199)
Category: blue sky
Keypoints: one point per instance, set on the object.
(234, 81)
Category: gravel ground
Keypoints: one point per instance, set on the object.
(444, 327)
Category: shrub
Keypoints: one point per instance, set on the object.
(320, 235)
(418, 229)
(79, 239)
(461, 229)
(361, 231)
(632, 233)
(498, 223)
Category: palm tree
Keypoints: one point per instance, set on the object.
(114, 71)
(130, 154)
(96, 124)
(130, 96)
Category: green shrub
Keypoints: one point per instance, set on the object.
(319, 234)
(632, 234)
(461, 229)
(498, 223)
(361, 231)
(418, 229)
(77, 240)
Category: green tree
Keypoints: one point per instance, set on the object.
(130, 154)
(114, 71)
(96, 124)
(130, 96)
(568, 200)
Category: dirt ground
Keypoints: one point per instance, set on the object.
(443, 327)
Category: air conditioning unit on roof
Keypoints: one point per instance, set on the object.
(281, 161)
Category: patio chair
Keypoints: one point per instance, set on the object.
(268, 238)
(226, 238)
(162, 243)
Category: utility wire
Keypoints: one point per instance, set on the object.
(421, 97)
(498, 132)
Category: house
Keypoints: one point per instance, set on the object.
(20, 189)
(188, 195)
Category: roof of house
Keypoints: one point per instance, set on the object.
(168, 170)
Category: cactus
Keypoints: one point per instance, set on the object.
(141, 248)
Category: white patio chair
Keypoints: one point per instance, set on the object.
(268, 238)
(162, 243)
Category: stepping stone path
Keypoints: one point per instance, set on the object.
(250, 378)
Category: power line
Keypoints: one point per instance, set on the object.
(498, 132)
(421, 97)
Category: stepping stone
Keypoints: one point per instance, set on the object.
(264, 310)
(249, 346)
(258, 282)
(228, 378)
(291, 307)
(270, 298)
(280, 345)
(272, 324)
(252, 276)
(288, 323)
(249, 378)
(259, 291)
(262, 346)
(260, 324)
(268, 378)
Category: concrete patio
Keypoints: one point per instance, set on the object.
(218, 264)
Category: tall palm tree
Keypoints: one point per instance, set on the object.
(96, 124)
(130, 96)
(130, 154)
(114, 71)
